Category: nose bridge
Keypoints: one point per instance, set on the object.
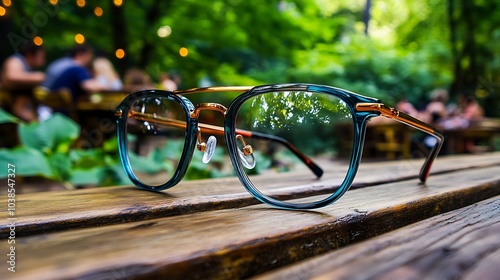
(208, 106)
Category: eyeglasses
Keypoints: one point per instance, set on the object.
(281, 139)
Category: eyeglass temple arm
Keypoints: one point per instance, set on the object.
(220, 131)
(397, 115)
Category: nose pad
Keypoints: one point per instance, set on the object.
(210, 149)
(246, 153)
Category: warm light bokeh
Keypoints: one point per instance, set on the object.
(120, 53)
(79, 38)
(118, 3)
(80, 3)
(183, 52)
(38, 40)
(2, 11)
(98, 11)
(6, 3)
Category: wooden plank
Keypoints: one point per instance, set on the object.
(62, 210)
(462, 244)
(238, 243)
(102, 101)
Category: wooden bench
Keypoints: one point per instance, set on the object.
(214, 229)
(463, 243)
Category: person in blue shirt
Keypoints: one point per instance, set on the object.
(72, 73)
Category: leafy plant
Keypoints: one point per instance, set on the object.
(46, 150)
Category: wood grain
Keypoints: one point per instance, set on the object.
(462, 244)
(238, 243)
(62, 210)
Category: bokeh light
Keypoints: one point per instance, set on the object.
(80, 3)
(53, 2)
(79, 38)
(118, 3)
(164, 31)
(2, 11)
(98, 11)
(120, 53)
(38, 40)
(7, 3)
(183, 52)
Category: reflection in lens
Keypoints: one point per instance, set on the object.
(319, 125)
(156, 130)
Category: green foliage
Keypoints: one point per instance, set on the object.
(5, 117)
(28, 161)
(46, 151)
(407, 51)
(51, 136)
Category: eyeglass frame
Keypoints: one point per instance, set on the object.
(362, 109)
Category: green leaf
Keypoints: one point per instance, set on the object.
(34, 135)
(50, 134)
(263, 162)
(172, 149)
(111, 145)
(87, 159)
(120, 177)
(62, 130)
(5, 117)
(61, 166)
(91, 176)
(28, 162)
(144, 164)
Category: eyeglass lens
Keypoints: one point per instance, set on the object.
(319, 125)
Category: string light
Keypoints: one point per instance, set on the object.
(7, 3)
(183, 52)
(3, 11)
(118, 3)
(38, 40)
(120, 53)
(98, 11)
(79, 38)
(80, 3)
(53, 2)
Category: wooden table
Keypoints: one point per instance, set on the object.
(102, 101)
(479, 136)
(387, 227)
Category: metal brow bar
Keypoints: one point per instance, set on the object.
(220, 131)
(397, 115)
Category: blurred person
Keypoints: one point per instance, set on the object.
(72, 73)
(105, 74)
(18, 78)
(471, 110)
(167, 82)
(137, 79)
(468, 112)
(405, 106)
(436, 109)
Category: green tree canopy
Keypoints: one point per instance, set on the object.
(407, 49)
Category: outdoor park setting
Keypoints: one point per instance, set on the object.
(224, 112)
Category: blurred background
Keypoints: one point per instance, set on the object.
(384, 48)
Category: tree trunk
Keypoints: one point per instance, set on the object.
(366, 15)
(120, 39)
